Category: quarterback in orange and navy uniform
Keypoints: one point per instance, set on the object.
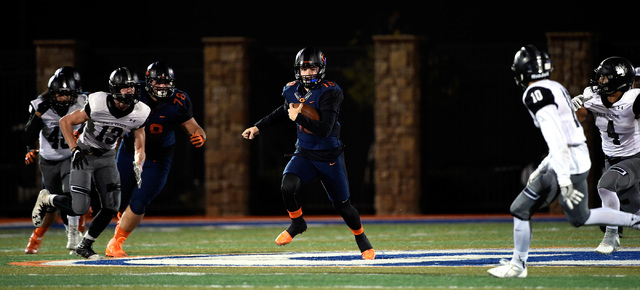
(319, 150)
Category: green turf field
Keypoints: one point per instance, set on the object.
(258, 238)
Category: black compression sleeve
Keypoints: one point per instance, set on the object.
(32, 130)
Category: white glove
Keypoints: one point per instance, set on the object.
(570, 196)
(578, 101)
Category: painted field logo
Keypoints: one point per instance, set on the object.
(423, 258)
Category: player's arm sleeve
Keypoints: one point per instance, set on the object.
(32, 129)
(328, 109)
(275, 116)
(186, 111)
(559, 157)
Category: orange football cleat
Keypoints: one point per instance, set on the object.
(34, 244)
(284, 238)
(369, 254)
(114, 248)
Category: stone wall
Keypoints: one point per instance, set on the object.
(397, 125)
(226, 91)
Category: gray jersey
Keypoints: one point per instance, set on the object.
(103, 129)
(52, 144)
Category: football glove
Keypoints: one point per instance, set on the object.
(78, 160)
(578, 101)
(138, 171)
(31, 156)
(197, 140)
(571, 196)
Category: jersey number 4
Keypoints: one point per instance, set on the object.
(611, 132)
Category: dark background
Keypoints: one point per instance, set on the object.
(476, 135)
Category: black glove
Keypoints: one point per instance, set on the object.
(78, 158)
(44, 106)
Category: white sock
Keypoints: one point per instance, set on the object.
(522, 236)
(611, 218)
(609, 199)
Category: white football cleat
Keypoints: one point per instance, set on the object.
(508, 270)
(608, 247)
(74, 237)
(39, 209)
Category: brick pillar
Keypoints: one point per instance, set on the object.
(226, 92)
(51, 55)
(572, 56)
(397, 125)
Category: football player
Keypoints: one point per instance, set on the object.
(563, 172)
(171, 109)
(616, 108)
(62, 96)
(108, 117)
(319, 150)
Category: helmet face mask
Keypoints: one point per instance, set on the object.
(612, 75)
(531, 64)
(310, 57)
(159, 73)
(122, 78)
(61, 85)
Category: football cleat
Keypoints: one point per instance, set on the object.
(114, 248)
(284, 238)
(608, 246)
(85, 251)
(34, 244)
(369, 254)
(508, 270)
(39, 210)
(74, 237)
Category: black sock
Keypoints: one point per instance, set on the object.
(363, 242)
(298, 226)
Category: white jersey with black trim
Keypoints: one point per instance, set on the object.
(103, 129)
(51, 142)
(549, 104)
(617, 124)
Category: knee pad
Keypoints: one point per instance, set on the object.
(576, 217)
(527, 203)
(614, 179)
(111, 199)
(80, 199)
(290, 185)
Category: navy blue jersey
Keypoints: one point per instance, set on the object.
(166, 116)
(326, 98)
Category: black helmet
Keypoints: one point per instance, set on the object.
(64, 85)
(162, 74)
(123, 78)
(530, 64)
(310, 57)
(613, 74)
(71, 71)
